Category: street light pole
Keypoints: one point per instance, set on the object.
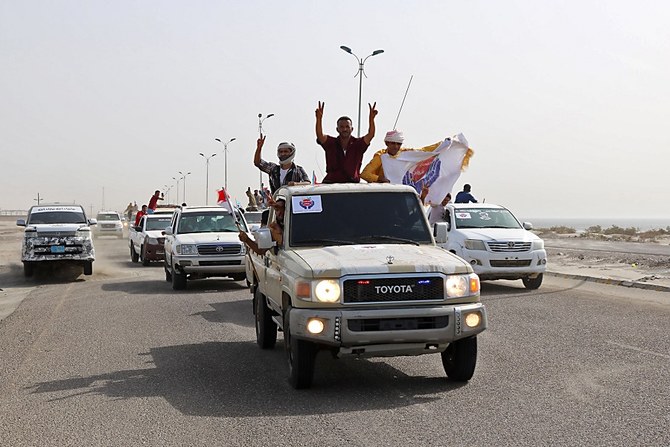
(360, 74)
(207, 176)
(260, 133)
(225, 161)
(184, 179)
(175, 178)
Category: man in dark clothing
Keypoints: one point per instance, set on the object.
(284, 173)
(465, 196)
(344, 154)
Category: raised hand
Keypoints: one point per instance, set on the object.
(319, 110)
(260, 142)
(373, 110)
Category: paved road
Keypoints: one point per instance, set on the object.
(120, 359)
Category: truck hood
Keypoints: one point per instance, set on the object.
(338, 261)
(208, 238)
(499, 234)
(63, 229)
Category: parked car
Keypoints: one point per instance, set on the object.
(492, 240)
(109, 224)
(57, 234)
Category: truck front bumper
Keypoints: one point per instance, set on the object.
(210, 265)
(489, 265)
(390, 332)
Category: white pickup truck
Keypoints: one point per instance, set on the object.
(359, 274)
(493, 241)
(203, 242)
(146, 240)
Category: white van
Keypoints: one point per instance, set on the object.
(493, 241)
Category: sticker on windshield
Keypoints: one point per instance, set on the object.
(462, 215)
(46, 209)
(306, 204)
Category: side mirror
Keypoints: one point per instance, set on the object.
(21, 222)
(92, 221)
(167, 231)
(528, 225)
(263, 238)
(440, 232)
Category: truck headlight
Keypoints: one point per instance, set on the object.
(462, 285)
(474, 244)
(152, 241)
(186, 249)
(84, 233)
(327, 291)
(537, 245)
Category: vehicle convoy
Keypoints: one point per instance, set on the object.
(493, 241)
(57, 234)
(203, 242)
(109, 224)
(146, 240)
(362, 284)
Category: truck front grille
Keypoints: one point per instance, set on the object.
(212, 263)
(508, 246)
(510, 263)
(219, 249)
(377, 290)
(397, 324)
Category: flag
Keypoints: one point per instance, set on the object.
(314, 182)
(224, 200)
(438, 170)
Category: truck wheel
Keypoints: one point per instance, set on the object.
(88, 268)
(168, 275)
(178, 280)
(145, 261)
(301, 356)
(133, 254)
(266, 329)
(238, 276)
(28, 269)
(460, 358)
(533, 283)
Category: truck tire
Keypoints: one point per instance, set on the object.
(178, 280)
(266, 329)
(533, 283)
(28, 269)
(460, 358)
(88, 268)
(168, 275)
(143, 256)
(238, 276)
(301, 356)
(134, 257)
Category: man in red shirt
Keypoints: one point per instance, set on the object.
(153, 202)
(344, 154)
(139, 215)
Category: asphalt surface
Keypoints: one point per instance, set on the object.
(119, 358)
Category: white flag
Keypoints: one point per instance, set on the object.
(438, 170)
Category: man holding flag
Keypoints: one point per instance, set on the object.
(374, 171)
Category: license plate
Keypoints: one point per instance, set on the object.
(57, 249)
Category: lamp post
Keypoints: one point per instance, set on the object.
(177, 179)
(225, 161)
(184, 179)
(360, 74)
(260, 133)
(167, 193)
(207, 176)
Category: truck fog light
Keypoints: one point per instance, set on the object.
(315, 326)
(473, 319)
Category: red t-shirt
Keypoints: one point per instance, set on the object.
(153, 202)
(138, 217)
(341, 167)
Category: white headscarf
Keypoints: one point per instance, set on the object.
(288, 159)
(394, 136)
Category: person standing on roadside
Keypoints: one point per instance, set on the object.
(344, 154)
(465, 196)
(286, 173)
(153, 202)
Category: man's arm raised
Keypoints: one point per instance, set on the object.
(257, 155)
(371, 129)
(319, 124)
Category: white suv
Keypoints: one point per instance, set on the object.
(493, 241)
(58, 234)
(109, 224)
(203, 242)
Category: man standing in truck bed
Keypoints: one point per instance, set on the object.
(344, 154)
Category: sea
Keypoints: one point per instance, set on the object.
(581, 224)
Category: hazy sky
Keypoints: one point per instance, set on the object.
(564, 103)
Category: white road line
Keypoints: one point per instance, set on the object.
(635, 348)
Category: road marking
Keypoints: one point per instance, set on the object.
(644, 351)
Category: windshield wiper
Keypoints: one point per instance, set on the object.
(325, 241)
(389, 238)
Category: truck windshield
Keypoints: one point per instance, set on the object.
(361, 218)
(485, 218)
(159, 224)
(57, 217)
(208, 222)
(108, 217)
